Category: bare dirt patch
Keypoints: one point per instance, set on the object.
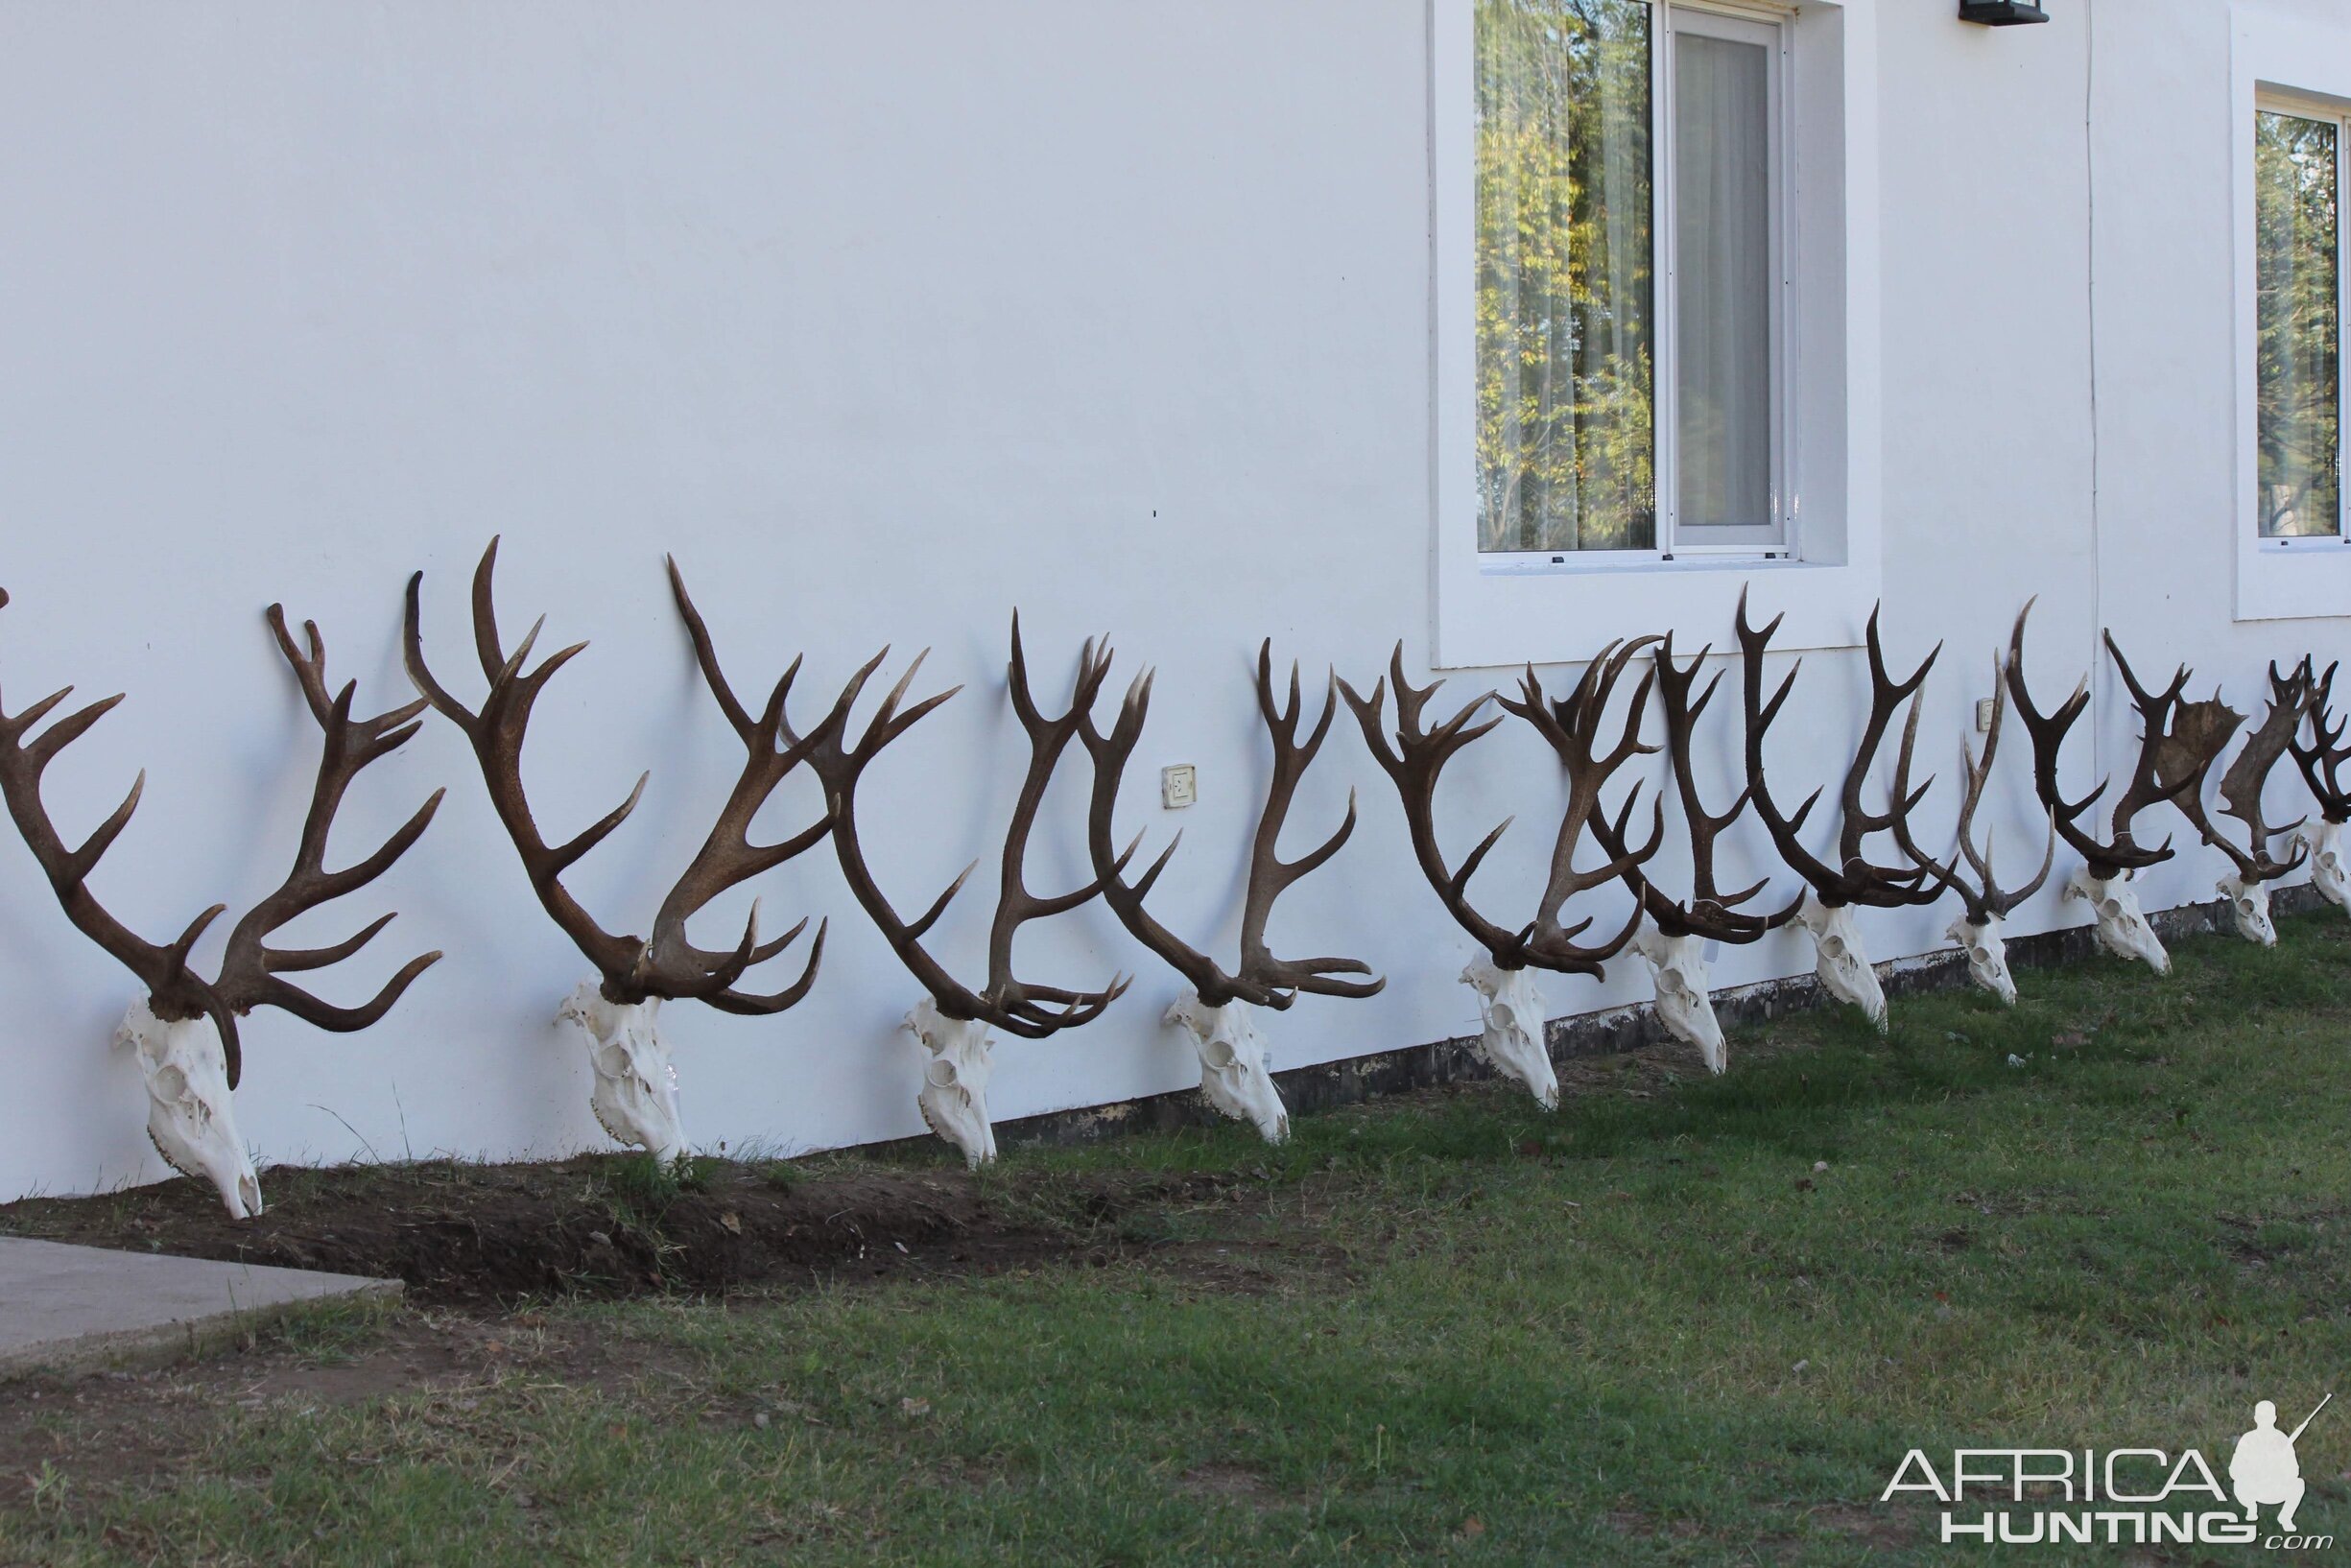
(601, 1226)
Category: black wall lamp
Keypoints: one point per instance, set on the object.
(2002, 13)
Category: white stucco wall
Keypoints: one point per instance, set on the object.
(885, 321)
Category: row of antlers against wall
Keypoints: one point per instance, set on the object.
(184, 1025)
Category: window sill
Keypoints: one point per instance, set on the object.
(1563, 614)
(2279, 580)
(1622, 562)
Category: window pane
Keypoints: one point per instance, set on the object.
(1566, 431)
(1723, 280)
(2300, 336)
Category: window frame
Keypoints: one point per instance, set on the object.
(2269, 100)
(2295, 63)
(1496, 610)
(1769, 27)
(1741, 21)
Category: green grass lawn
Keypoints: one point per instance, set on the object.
(1645, 1329)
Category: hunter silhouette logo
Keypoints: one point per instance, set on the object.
(2264, 1470)
(2121, 1496)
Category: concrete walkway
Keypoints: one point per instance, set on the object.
(67, 1309)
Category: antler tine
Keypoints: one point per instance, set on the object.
(174, 989)
(1013, 1001)
(1753, 644)
(497, 733)
(2139, 694)
(1942, 873)
(1855, 880)
(1265, 979)
(1110, 755)
(2176, 750)
(1031, 1011)
(249, 968)
(706, 655)
(2047, 733)
(1710, 911)
(1987, 898)
(1572, 726)
(2321, 761)
(1261, 979)
(841, 767)
(1415, 763)
(1885, 695)
(670, 964)
(2247, 778)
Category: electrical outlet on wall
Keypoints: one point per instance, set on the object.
(1984, 716)
(1179, 786)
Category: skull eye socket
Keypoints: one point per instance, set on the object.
(940, 1073)
(1218, 1053)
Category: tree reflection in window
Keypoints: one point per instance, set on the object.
(2300, 336)
(1566, 420)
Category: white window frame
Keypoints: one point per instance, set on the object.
(2295, 66)
(1772, 28)
(1495, 608)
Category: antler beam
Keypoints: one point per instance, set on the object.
(1233, 1065)
(1675, 945)
(2321, 761)
(1854, 881)
(1415, 760)
(619, 1013)
(952, 1022)
(185, 1027)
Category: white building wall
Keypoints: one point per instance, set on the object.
(886, 320)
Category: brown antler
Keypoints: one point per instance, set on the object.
(2119, 852)
(1417, 760)
(1010, 1004)
(1415, 763)
(248, 972)
(1710, 913)
(250, 969)
(667, 964)
(2247, 778)
(2321, 761)
(1855, 880)
(1262, 980)
(1572, 726)
(1984, 899)
(2179, 743)
(728, 858)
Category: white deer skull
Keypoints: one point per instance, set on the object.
(636, 1087)
(189, 1118)
(2249, 903)
(2122, 929)
(1987, 949)
(1839, 961)
(954, 1096)
(2324, 842)
(1233, 1073)
(1683, 1004)
(1512, 1041)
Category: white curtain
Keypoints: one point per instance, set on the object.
(1722, 287)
